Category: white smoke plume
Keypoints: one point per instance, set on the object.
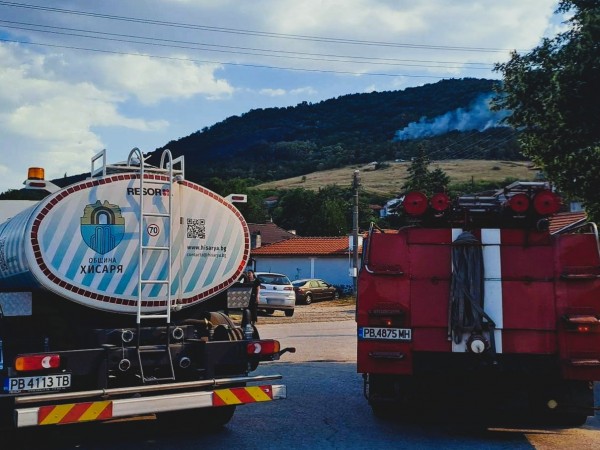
(477, 116)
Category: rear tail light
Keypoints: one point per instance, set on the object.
(263, 347)
(440, 202)
(387, 317)
(546, 202)
(519, 203)
(37, 362)
(582, 323)
(415, 203)
(288, 288)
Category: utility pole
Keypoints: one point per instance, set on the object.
(355, 185)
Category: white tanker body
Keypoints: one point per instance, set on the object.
(121, 281)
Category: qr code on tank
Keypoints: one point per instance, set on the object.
(196, 229)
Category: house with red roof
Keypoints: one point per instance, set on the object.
(267, 233)
(565, 221)
(329, 258)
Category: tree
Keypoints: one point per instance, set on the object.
(420, 178)
(330, 219)
(295, 210)
(552, 93)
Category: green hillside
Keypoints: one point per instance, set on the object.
(278, 143)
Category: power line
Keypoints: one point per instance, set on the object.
(100, 35)
(173, 58)
(299, 37)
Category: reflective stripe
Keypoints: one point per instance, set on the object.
(239, 396)
(492, 263)
(74, 412)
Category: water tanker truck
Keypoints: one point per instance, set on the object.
(116, 294)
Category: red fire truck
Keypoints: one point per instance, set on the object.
(477, 302)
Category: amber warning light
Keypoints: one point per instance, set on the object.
(35, 173)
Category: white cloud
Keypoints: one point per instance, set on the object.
(303, 91)
(273, 92)
(506, 25)
(59, 105)
(52, 122)
(154, 80)
(297, 92)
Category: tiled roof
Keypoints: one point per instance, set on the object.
(295, 245)
(306, 246)
(563, 220)
(269, 232)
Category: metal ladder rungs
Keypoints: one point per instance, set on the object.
(153, 316)
(161, 344)
(156, 379)
(151, 348)
(156, 214)
(156, 182)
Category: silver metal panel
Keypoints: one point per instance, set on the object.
(15, 304)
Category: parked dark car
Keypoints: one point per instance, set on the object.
(310, 289)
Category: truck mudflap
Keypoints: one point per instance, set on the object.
(119, 403)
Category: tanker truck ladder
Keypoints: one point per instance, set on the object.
(150, 353)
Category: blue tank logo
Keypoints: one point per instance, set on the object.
(102, 226)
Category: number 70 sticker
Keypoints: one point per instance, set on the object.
(153, 229)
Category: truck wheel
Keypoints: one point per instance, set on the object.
(383, 410)
(564, 419)
(203, 418)
(289, 312)
(388, 395)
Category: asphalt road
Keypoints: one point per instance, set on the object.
(325, 409)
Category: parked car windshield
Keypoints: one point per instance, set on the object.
(268, 278)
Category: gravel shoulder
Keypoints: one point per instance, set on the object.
(323, 311)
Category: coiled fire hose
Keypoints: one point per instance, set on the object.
(466, 312)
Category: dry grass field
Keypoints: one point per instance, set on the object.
(389, 181)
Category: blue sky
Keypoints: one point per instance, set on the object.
(81, 76)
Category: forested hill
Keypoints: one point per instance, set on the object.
(449, 118)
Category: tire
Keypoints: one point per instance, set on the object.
(202, 418)
(565, 419)
(308, 299)
(289, 312)
(383, 411)
(336, 295)
(571, 419)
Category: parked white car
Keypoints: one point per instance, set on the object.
(276, 293)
